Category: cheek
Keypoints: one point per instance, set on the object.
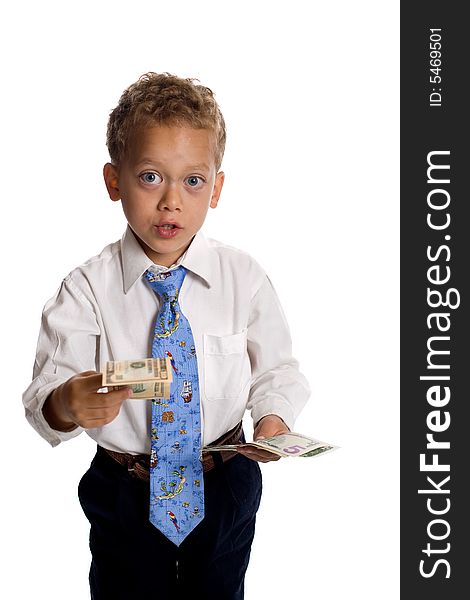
(202, 212)
(134, 215)
(135, 205)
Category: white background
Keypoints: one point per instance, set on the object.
(309, 91)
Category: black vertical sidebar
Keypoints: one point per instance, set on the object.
(435, 301)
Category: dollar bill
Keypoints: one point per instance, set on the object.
(143, 391)
(148, 377)
(286, 444)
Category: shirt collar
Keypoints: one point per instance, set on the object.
(199, 259)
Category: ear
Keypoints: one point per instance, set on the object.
(111, 179)
(219, 182)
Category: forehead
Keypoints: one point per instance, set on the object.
(172, 144)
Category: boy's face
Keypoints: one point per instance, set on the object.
(166, 183)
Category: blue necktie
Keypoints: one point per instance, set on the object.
(176, 474)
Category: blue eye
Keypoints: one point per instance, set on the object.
(151, 177)
(194, 180)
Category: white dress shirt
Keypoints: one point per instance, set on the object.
(104, 310)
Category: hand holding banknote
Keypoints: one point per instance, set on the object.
(266, 427)
(79, 402)
(285, 444)
(92, 399)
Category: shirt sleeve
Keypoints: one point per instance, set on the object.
(277, 386)
(67, 345)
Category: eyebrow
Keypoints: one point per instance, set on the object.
(202, 166)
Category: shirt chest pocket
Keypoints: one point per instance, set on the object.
(226, 365)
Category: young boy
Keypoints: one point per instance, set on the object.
(167, 519)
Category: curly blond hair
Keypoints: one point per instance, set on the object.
(164, 99)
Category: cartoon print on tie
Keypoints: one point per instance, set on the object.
(172, 318)
(172, 361)
(195, 512)
(159, 402)
(187, 392)
(176, 447)
(173, 519)
(176, 489)
(158, 276)
(172, 323)
(168, 416)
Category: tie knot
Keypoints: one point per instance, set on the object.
(167, 282)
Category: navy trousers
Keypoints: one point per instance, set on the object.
(132, 560)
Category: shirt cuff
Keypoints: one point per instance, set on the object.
(34, 398)
(273, 405)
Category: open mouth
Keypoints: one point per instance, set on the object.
(167, 230)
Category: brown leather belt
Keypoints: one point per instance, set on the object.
(138, 465)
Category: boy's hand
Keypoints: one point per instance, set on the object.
(266, 427)
(78, 403)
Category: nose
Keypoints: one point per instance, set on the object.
(171, 199)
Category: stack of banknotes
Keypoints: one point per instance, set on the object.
(148, 377)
